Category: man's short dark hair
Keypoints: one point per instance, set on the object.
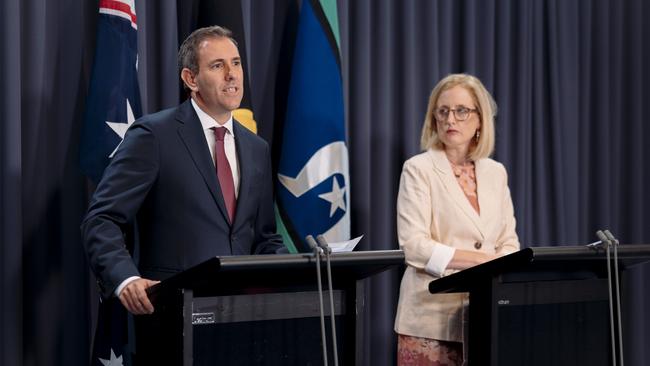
(187, 54)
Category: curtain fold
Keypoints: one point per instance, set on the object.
(11, 254)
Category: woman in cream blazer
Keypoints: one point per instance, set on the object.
(454, 211)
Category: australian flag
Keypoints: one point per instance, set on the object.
(111, 346)
(113, 101)
(313, 176)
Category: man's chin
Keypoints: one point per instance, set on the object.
(234, 105)
(232, 102)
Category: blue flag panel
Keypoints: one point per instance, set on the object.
(313, 190)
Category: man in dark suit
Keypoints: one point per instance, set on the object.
(198, 182)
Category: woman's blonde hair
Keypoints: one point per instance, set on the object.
(485, 104)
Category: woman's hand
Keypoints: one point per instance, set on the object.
(463, 259)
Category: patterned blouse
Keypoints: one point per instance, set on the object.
(466, 177)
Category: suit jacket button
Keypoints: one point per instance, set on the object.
(478, 245)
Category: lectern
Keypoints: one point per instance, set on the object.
(263, 309)
(540, 306)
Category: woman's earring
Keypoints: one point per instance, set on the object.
(478, 134)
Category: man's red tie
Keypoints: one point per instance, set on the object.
(225, 174)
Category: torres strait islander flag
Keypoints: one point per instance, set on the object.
(313, 190)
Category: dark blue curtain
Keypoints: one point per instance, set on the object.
(569, 78)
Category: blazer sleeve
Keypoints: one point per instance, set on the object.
(118, 197)
(414, 216)
(508, 241)
(267, 240)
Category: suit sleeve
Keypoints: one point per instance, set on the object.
(414, 215)
(267, 240)
(118, 197)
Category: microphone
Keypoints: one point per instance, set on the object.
(599, 244)
(615, 243)
(607, 243)
(312, 244)
(320, 239)
(326, 248)
(604, 240)
(611, 237)
(317, 251)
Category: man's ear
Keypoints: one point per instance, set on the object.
(188, 79)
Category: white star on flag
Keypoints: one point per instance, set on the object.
(113, 361)
(335, 197)
(120, 127)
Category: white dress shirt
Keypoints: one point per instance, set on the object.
(208, 124)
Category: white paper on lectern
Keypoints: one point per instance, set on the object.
(345, 246)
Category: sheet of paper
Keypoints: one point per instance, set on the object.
(345, 246)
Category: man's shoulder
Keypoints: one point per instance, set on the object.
(160, 117)
(244, 134)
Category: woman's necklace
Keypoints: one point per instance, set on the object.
(459, 168)
(466, 176)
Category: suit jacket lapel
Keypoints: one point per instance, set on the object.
(443, 166)
(245, 159)
(192, 135)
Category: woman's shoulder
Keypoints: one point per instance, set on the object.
(417, 159)
(426, 158)
(418, 164)
(489, 164)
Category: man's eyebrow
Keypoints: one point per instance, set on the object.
(223, 59)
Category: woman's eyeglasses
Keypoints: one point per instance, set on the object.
(460, 114)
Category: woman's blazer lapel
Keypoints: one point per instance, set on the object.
(443, 169)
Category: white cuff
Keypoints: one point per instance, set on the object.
(124, 283)
(440, 258)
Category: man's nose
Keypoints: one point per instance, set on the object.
(229, 75)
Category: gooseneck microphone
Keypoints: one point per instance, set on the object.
(317, 251)
(327, 250)
(607, 244)
(615, 243)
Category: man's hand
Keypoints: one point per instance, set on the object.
(134, 296)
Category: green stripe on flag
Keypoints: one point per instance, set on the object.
(331, 12)
(282, 230)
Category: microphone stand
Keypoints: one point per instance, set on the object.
(327, 250)
(312, 244)
(607, 244)
(615, 243)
